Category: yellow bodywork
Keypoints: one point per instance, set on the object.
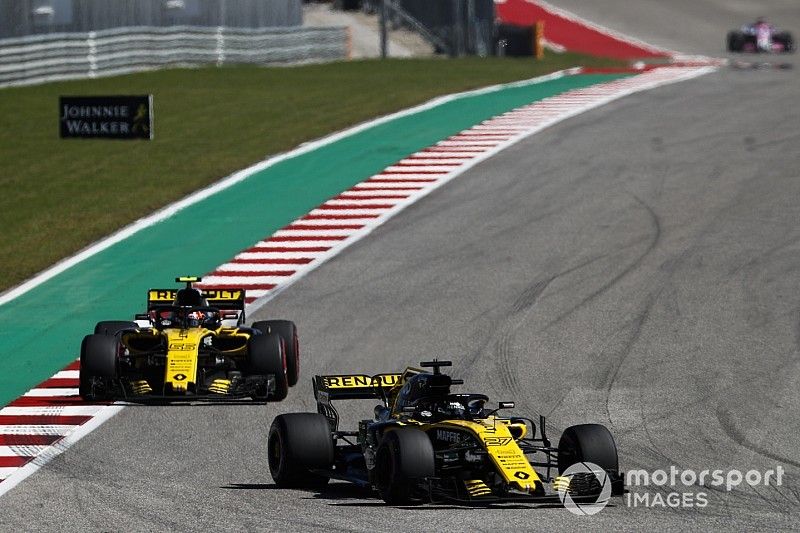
(182, 353)
(502, 448)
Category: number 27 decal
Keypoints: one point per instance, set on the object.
(496, 441)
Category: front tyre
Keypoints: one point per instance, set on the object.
(299, 442)
(591, 443)
(404, 458)
(98, 366)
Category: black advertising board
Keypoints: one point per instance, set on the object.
(106, 117)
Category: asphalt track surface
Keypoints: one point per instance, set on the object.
(636, 266)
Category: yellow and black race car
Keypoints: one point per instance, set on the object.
(190, 344)
(428, 444)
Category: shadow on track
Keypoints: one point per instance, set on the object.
(338, 492)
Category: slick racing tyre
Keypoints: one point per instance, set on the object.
(112, 327)
(288, 332)
(735, 41)
(297, 443)
(405, 457)
(591, 443)
(786, 39)
(588, 443)
(98, 363)
(266, 356)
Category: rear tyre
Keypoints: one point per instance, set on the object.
(735, 41)
(299, 442)
(112, 327)
(98, 364)
(785, 38)
(288, 332)
(266, 356)
(404, 458)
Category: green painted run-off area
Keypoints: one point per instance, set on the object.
(43, 328)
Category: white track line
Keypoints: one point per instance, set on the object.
(332, 241)
(52, 392)
(576, 104)
(52, 410)
(14, 476)
(67, 374)
(36, 429)
(25, 450)
(242, 175)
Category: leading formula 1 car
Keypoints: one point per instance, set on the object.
(190, 344)
(760, 36)
(428, 444)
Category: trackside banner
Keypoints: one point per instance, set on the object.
(106, 117)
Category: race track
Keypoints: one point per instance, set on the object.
(637, 266)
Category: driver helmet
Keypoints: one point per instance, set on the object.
(423, 389)
(195, 318)
(190, 297)
(453, 408)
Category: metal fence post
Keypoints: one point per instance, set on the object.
(384, 51)
(92, 57)
(458, 28)
(471, 27)
(220, 46)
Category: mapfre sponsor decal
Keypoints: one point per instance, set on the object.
(449, 436)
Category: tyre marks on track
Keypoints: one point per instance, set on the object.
(310, 240)
(45, 421)
(728, 425)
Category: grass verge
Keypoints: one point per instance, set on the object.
(61, 195)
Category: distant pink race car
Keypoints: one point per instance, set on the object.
(760, 36)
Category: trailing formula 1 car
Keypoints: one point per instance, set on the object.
(190, 344)
(760, 36)
(428, 444)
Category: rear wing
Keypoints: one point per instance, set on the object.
(353, 386)
(224, 299)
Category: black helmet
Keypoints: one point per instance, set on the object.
(190, 297)
(423, 388)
